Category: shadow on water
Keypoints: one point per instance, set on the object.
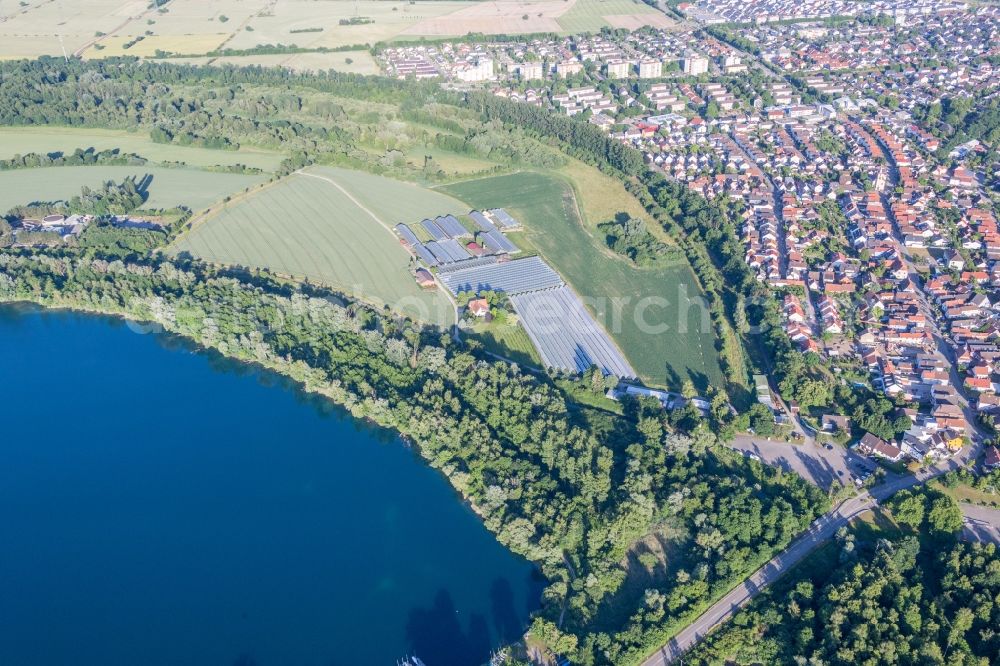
(505, 621)
(436, 634)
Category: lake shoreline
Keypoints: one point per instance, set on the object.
(312, 534)
(404, 439)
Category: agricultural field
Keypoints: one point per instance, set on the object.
(628, 301)
(601, 197)
(124, 45)
(592, 15)
(168, 188)
(102, 28)
(508, 340)
(389, 20)
(452, 164)
(45, 27)
(332, 226)
(392, 201)
(48, 139)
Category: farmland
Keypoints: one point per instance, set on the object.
(331, 226)
(592, 15)
(389, 19)
(48, 139)
(168, 188)
(508, 340)
(547, 206)
(101, 28)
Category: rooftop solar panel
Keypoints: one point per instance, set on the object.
(454, 250)
(425, 255)
(566, 335)
(513, 277)
(452, 227)
(504, 219)
(481, 221)
(436, 232)
(497, 242)
(406, 234)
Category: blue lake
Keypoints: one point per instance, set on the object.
(162, 506)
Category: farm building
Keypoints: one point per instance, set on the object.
(406, 235)
(481, 221)
(425, 279)
(503, 219)
(452, 227)
(424, 254)
(512, 277)
(497, 242)
(566, 336)
(436, 232)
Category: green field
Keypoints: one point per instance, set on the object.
(307, 226)
(392, 201)
(588, 15)
(23, 140)
(169, 187)
(546, 205)
(509, 341)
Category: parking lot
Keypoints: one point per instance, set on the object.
(813, 462)
(982, 523)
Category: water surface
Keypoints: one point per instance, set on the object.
(161, 506)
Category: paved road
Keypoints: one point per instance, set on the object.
(982, 523)
(820, 531)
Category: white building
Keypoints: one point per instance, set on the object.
(694, 65)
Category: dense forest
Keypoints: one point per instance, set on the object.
(577, 490)
(917, 596)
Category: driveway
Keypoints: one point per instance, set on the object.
(813, 462)
(982, 523)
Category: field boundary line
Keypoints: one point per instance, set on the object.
(347, 194)
(388, 229)
(210, 212)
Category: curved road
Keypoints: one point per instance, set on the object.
(822, 530)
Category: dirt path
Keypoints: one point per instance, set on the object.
(385, 226)
(80, 51)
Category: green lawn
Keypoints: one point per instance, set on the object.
(169, 187)
(306, 226)
(588, 15)
(23, 140)
(647, 299)
(510, 341)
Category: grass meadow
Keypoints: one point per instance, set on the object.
(546, 205)
(48, 139)
(589, 15)
(169, 187)
(507, 340)
(332, 226)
